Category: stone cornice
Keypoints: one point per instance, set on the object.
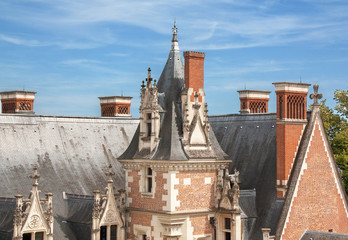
(165, 165)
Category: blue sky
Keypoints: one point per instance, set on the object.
(73, 51)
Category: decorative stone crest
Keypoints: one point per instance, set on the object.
(316, 96)
(227, 197)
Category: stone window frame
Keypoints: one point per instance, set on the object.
(221, 226)
(203, 237)
(139, 231)
(33, 233)
(108, 230)
(144, 182)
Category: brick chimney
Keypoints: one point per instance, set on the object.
(194, 72)
(291, 121)
(17, 102)
(115, 106)
(253, 101)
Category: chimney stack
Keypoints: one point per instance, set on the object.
(115, 106)
(17, 102)
(291, 121)
(194, 72)
(253, 101)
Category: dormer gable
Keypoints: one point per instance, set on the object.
(33, 217)
(149, 116)
(108, 218)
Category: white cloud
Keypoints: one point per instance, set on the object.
(209, 24)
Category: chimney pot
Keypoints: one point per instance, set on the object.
(253, 101)
(115, 106)
(17, 102)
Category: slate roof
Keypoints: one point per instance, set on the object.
(71, 153)
(316, 235)
(7, 208)
(250, 141)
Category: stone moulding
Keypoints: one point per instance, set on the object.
(176, 165)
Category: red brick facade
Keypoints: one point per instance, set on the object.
(141, 219)
(318, 203)
(149, 203)
(198, 194)
(201, 225)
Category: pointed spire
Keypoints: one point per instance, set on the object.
(35, 176)
(316, 96)
(175, 45)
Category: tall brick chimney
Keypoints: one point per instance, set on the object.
(17, 102)
(253, 101)
(194, 72)
(115, 106)
(291, 121)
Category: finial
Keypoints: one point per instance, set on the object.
(35, 176)
(316, 95)
(149, 79)
(236, 174)
(143, 85)
(110, 173)
(196, 97)
(149, 73)
(175, 31)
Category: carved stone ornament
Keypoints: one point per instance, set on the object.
(35, 222)
(110, 216)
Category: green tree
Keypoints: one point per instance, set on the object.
(336, 126)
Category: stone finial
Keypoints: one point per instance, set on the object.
(236, 175)
(35, 176)
(316, 96)
(110, 173)
(148, 79)
(148, 73)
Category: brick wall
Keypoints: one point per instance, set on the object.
(139, 201)
(138, 219)
(194, 70)
(288, 138)
(318, 204)
(201, 225)
(198, 194)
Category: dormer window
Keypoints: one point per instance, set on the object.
(149, 180)
(149, 129)
(227, 228)
(107, 220)
(149, 126)
(108, 232)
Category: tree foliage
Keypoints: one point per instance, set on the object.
(336, 125)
